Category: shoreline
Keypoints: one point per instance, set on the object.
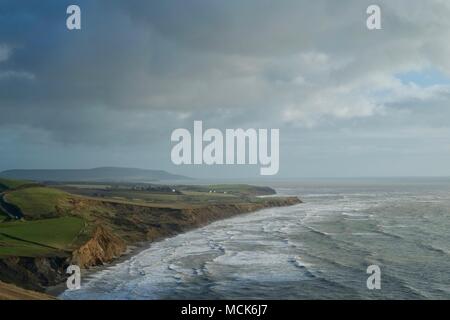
(132, 250)
(137, 248)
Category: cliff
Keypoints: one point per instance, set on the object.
(113, 231)
(103, 247)
(33, 273)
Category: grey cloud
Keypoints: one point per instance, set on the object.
(137, 69)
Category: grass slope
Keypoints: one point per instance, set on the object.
(39, 202)
(12, 292)
(42, 237)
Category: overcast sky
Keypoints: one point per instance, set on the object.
(348, 101)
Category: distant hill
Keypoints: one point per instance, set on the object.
(103, 174)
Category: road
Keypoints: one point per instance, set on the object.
(9, 209)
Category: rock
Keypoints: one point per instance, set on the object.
(103, 247)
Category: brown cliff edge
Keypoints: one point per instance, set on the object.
(112, 233)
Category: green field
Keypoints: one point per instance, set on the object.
(185, 195)
(229, 189)
(35, 238)
(38, 202)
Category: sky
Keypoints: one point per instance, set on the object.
(349, 102)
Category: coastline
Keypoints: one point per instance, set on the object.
(138, 247)
(131, 251)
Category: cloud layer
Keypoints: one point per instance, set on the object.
(342, 95)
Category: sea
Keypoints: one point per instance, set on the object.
(319, 249)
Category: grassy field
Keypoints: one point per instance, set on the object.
(42, 237)
(185, 195)
(12, 292)
(229, 189)
(185, 200)
(38, 202)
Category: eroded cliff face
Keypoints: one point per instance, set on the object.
(151, 223)
(34, 273)
(103, 247)
(38, 273)
(205, 215)
(117, 226)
